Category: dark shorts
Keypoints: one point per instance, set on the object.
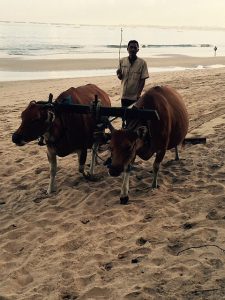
(127, 102)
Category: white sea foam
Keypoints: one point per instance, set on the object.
(17, 76)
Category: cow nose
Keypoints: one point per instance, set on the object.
(16, 138)
(115, 171)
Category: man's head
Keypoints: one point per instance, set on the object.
(133, 48)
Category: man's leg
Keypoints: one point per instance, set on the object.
(126, 103)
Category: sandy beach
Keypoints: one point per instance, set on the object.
(80, 243)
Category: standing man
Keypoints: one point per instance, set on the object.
(132, 72)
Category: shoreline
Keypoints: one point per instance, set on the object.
(37, 65)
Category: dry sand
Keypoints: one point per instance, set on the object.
(80, 243)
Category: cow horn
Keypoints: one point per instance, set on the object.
(50, 97)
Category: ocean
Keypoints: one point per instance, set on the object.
(61, 41)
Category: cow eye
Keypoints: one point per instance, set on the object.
(129, 148)
(34, 121)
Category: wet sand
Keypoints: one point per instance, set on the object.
(15, 64)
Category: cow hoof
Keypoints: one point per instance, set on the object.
(90, 177)
(49, 193)
(51, 190)
(87, 175)
(155, 187)
(124, 200)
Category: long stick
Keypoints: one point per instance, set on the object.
(121, 38)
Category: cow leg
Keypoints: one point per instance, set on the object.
(125, 187)
(176, 153)
(158, 159)
(155, 174)
(53, 167)
(82, 156)
(93, 158)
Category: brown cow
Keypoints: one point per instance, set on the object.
(64, 132)
(149, 137)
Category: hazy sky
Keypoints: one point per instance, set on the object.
(117, 12)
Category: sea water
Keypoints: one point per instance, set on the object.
(27, 40)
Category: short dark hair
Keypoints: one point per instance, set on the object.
(132, 42)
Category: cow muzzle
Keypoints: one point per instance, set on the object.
(115, 171)
(18, 139)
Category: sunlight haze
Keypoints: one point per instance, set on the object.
(197, 13)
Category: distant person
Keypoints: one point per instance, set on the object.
(132, 72)
(215, 49)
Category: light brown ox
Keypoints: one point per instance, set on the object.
(144, 138)
(64, 132)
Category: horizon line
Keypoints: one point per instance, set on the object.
(119, 25)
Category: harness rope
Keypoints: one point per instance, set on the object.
(54, 107)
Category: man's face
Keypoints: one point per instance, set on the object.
(132, 50)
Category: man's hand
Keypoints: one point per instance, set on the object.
(119, 74)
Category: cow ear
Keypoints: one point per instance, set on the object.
(51, 116)
(142, 131)
(109, 125)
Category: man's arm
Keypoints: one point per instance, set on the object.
(119, 74)
(144, 76)
(140, 89)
